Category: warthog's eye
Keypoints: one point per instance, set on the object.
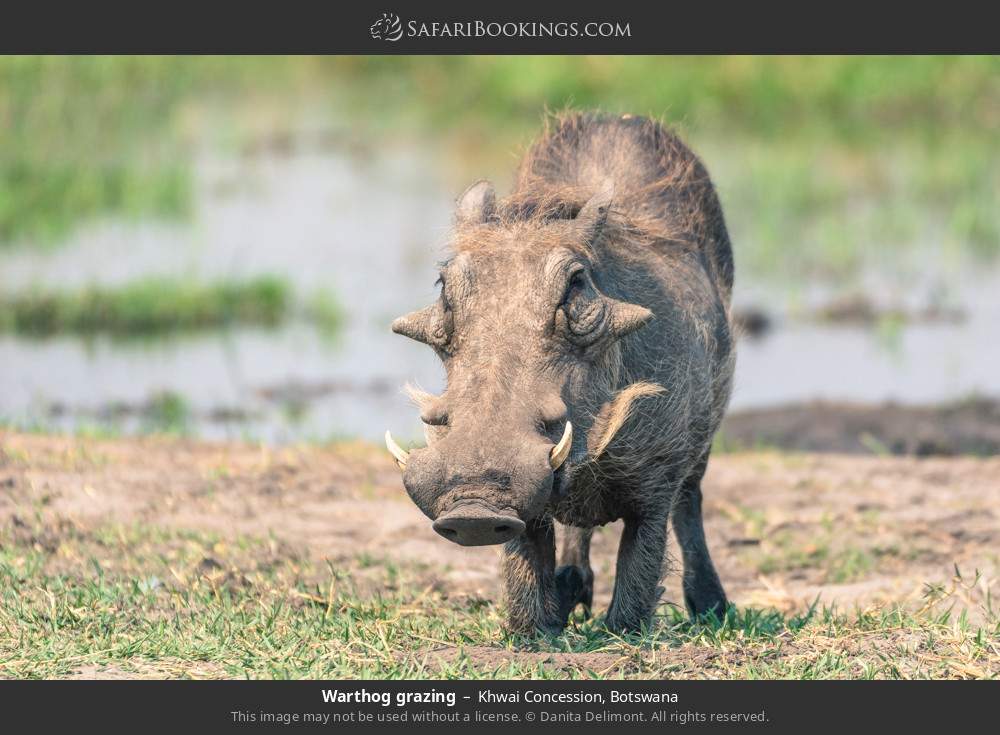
(584, 309)
(443, 324)
(574, 287)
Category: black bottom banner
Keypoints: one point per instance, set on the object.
(380, 706)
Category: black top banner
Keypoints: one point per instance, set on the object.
(395, 27)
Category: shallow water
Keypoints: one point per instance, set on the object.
(371, 229)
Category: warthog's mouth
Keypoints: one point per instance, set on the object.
(475, 523)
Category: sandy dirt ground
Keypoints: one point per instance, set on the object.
(784, 529)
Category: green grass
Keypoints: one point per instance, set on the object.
(88, 137)
(147, 306)
(153, 306)
(847, 98)
(84, 138)
(168, 413)
(797, 209)
(146, 600)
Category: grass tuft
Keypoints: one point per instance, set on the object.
(147, 306)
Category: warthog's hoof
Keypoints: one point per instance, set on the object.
(574, 586)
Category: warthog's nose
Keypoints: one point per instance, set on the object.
(472, 524)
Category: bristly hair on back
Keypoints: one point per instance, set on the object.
(663, 195)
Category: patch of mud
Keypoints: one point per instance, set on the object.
(863, 310)
(852, 310)
(966, 427)
(752, 322)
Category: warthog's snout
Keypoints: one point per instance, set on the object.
(485, 492)
(475, 524)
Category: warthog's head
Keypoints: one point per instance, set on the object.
(529, 343)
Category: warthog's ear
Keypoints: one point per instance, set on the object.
(476, 204)
(594, 213)
(625, 318)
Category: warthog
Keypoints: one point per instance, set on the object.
(584, 326)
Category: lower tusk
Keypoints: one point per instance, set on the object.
(561, 450)
(398, 453)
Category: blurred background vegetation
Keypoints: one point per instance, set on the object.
(89, 136)
(830, 169)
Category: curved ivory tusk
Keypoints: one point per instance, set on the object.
(398, 453)
(561, 450)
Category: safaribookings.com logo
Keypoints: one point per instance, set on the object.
(390, 28)
(387, 28)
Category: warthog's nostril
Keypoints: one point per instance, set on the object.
(475, 524)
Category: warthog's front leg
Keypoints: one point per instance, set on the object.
(638, 573)
(535, 598)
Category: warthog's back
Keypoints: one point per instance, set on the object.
(660, 185)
